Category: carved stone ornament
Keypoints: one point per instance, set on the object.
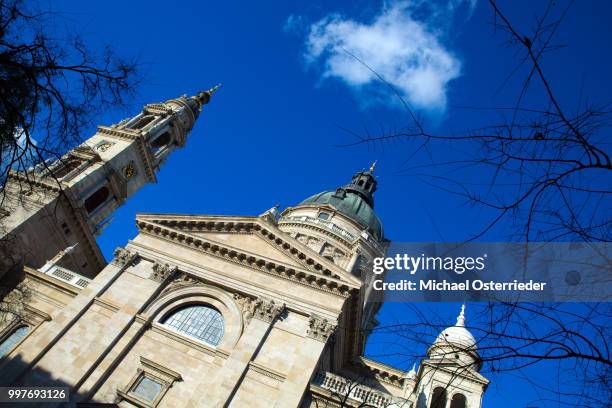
(267, 310)
(180, 280)
(104, 146)
(320, 328)
(247, 306)
(123, 256)
(161, 272)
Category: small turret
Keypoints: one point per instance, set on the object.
(457, 344)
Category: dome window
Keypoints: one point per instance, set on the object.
(323, 216)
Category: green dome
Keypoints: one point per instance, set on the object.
(352, 205)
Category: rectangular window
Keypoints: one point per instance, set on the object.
(146, 389)
(324, 216)
(148, 386)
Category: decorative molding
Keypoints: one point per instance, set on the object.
(124, 257)
(321, 280)
(122, 133)
(299, 225)
(181, 279)
(153, 366)
(258, 368)
(161, 272)
(163, 376)
(37, 314)
(158, 109)
(104, 146)
(106, 304)
(247, 306)
(320, 328)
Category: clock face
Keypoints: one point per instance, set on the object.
(129, 171)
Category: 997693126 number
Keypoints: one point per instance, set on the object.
(34, 394)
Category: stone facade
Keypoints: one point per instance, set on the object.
(224, 311)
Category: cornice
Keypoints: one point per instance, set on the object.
(276, 237)
(122, 133)
(382, 372)
(317, 280)
(158, 108)
(268, 372)
(36, 181)
(50, 280)
(454, 370)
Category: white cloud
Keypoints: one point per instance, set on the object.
(406, 52)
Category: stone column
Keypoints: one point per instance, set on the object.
(305, 362)
(41, 342)
(224, 387)
(125, 327)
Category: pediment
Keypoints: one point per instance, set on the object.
(250, 238)
(251, 243)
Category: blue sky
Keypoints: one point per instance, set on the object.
(275, 132)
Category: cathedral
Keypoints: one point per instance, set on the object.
(212, 311)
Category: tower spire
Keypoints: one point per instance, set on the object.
(461, 317)
(203, 97)
(373, 166)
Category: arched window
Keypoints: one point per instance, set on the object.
(160, 142)
(198, 321)
(142, 122)
(438, 398)
(66, 168)
(15, 337)
(97, 198)
(458, 401)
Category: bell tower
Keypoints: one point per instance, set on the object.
(71, 200)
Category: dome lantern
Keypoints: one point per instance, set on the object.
(355, 200)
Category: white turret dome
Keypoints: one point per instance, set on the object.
(456, 342)
(458, 334)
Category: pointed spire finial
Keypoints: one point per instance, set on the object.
(373, 166)
(203, 97)
(213, 89)
(461, 317)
